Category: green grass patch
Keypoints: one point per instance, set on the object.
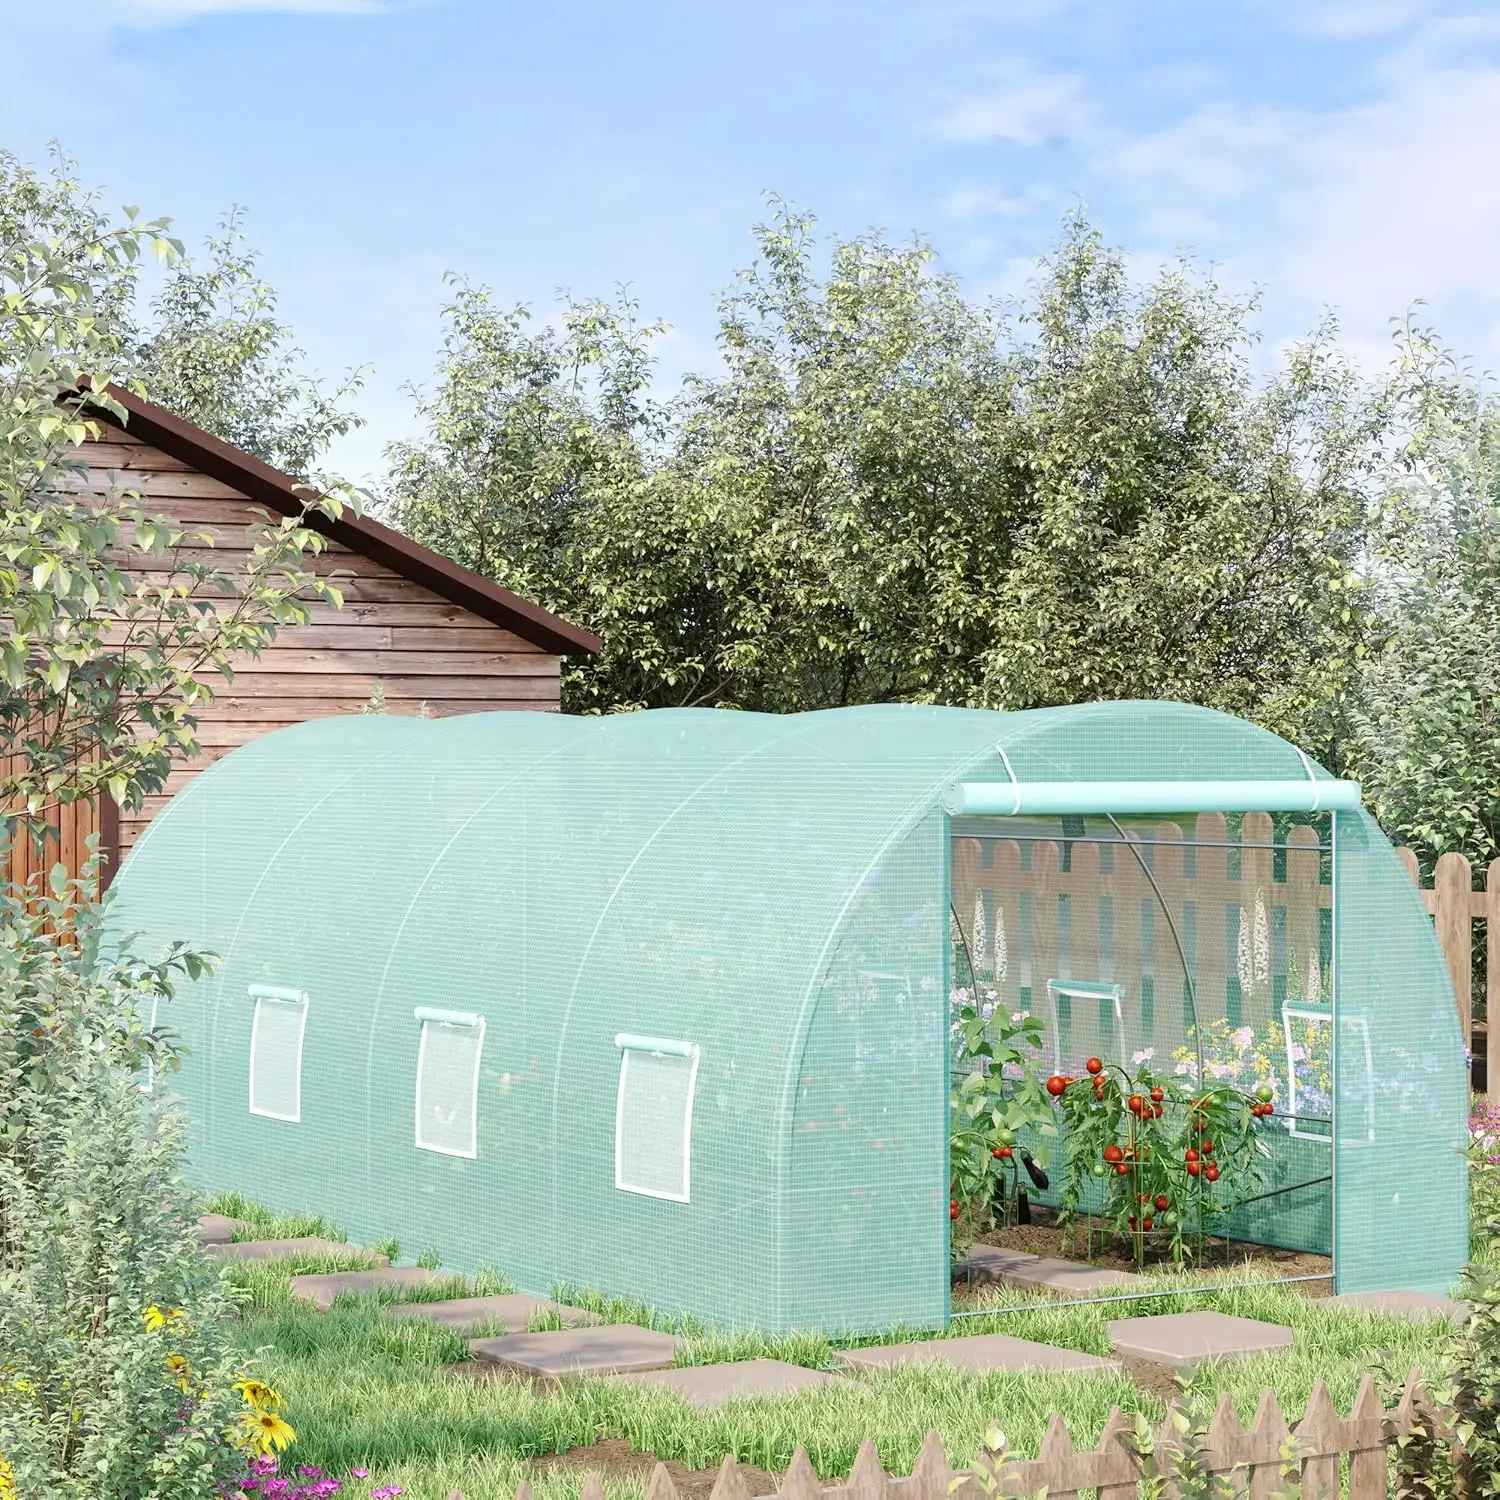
(391, 1395)
(259, 1223)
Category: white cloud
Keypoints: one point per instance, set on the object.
(1219, 154)
(1027, 104)
(1357, 18)
(965, 204)
(158, 12)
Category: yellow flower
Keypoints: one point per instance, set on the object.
(266, 1431)
(156, 1317)
(257, 1395)
(182, 1370)
(7, 1479)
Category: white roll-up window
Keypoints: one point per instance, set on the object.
(276, 1052)
(654, 1117)
(448, 1055)
(148, 1068)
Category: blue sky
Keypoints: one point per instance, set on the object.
(1333, 153)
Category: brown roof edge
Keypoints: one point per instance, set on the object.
(279, 492)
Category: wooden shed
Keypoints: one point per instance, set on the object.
(434, 637)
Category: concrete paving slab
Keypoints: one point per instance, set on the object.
(1181, 1341)
(275, 1249)
(991, 1263)
(1417, 1306)
(512, 1311)
(323, 1290)
(712, 1385)
(612, 1350)
(1065, 1278)
(979, 1353)
(217, 1229)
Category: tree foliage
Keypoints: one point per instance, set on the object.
(891, 492)
(117, 631)
(215, 352)
(1425, 726)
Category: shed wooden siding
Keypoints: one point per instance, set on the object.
(422, 649)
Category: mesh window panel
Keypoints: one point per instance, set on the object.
(276, 1057)
(447, 1087)
(654, 1124)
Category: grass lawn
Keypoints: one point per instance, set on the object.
(394, 1396)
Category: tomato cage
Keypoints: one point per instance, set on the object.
(665, 1004)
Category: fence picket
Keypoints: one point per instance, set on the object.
(1112, 1471)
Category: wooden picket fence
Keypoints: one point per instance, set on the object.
(1334, 1456)
(1455, 906)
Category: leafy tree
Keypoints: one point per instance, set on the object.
(116, 631)
(891, 492)
(1425, 727)
(215, 353)
(116, 1366)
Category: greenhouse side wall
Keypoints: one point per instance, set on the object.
(1401, 1087)
(864, 1220)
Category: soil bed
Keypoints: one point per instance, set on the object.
(615, 1459)
(1044, 1237)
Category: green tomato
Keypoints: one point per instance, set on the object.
(1098, 1169)
(1265, 1093)
(1169, 1218)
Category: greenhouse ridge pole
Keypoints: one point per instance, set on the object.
(1013, 798)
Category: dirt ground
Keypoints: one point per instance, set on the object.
(1043, 1237)
(614, 1458)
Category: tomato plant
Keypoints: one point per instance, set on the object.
(998, 1111)
(1166, 1157)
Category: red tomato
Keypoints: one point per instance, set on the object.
(1194, 1168)
(1131, 1221)
(953, 1210)
(1211, 1172)
(1094, 1065)
(1136, 1103)
(1113, 1154)
(1161, 1200)
(1056, 1084)
(1191, 1155)
(1208, 1148)
(1146, 1223)
(1157, 1096)
(1005, 1153)
(1122, 1169)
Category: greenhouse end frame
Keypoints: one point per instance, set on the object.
(709, 953)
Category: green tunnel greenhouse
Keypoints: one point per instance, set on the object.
(662, 1003)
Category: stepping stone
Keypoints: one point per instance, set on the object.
(513, 1312)
(276, 1249)
(1418, 1306)
(613, 1350)
(712, 1385)
(990, 1263)
(217, 1229)
(323, 1290)
(979, 1353)
(1181, 1341)
(1064, 1278)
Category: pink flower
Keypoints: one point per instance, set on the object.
(359, 1473)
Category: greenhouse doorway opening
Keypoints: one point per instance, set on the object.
(1177, 976)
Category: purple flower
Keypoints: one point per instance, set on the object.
(359, 1473)
(385, 1491)
(310, 1471)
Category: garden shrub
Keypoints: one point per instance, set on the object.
(117, 1376)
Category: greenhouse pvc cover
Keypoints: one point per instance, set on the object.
(659, 1003)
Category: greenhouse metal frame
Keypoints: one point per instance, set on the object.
(661, 1003)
